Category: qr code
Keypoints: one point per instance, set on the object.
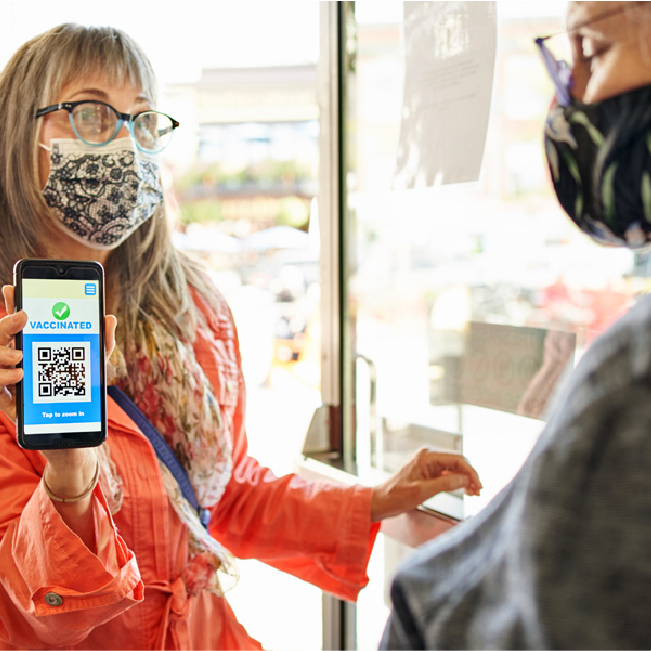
(61, 371)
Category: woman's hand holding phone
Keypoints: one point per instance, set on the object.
(69, 471)
(9, 374)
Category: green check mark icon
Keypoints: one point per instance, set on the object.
(61, 311)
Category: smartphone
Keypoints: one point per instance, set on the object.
(61, 400)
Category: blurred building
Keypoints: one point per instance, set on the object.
(248, 150)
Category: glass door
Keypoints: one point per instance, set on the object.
(464, 303)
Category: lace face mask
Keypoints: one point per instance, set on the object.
(101, 195)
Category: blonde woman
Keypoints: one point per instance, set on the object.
(121, 563)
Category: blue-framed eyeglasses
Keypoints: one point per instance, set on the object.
(559, 71)
(97, 123)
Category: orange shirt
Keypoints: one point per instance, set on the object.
(318, 532)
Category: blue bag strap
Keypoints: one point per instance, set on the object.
(163, 450)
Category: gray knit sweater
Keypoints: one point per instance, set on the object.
(561, 558)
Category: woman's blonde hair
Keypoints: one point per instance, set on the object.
(145, 273)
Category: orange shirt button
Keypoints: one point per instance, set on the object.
(53, 599)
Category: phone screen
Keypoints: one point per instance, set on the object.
(62, 391)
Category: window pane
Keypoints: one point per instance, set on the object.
(469, 300)
(467, 303)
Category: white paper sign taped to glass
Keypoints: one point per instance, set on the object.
(449, 60)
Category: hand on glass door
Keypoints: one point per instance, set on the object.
(427, 473)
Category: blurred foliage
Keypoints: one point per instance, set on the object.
(289, 211)
(262, 173)
(294, 212)
(200, 187)
(200, 211)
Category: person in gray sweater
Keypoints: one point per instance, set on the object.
(561, 557)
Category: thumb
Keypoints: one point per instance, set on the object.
(443, 484)
(110, 323)
(8, 293)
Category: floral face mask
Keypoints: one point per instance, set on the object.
(101, 195)
(600, 159)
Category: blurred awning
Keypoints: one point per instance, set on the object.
(207, 239)
(276, 237)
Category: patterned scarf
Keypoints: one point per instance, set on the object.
(161, 375)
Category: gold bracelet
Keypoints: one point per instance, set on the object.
(78, 498)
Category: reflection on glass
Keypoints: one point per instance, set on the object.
(470, 301)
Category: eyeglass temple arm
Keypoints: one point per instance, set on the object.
(559, 71)
(175, 125)
(48, 109)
